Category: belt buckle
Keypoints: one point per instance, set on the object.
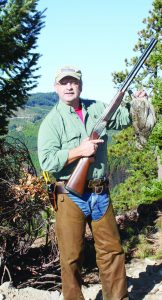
(98, 189)
(95, 183)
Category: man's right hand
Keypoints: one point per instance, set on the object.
(87, 148)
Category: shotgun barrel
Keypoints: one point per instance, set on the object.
(77, 180)
(116, 101)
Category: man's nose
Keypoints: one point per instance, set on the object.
(69, 85)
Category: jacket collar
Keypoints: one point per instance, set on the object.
(67, 108)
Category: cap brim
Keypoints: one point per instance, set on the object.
(61, 76)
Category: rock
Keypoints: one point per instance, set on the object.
(144, 280)
(93, 291)
(144, 283)
(27, 293)
(2, 297)
(61, 297)
(150, 261)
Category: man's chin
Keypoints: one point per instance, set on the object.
(69, 97)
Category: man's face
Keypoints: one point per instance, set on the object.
(68, 89)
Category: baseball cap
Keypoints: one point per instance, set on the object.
(68, 71)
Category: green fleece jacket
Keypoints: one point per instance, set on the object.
(62, 130)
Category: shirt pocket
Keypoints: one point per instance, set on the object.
(70, 140)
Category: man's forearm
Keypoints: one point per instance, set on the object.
(73, 155)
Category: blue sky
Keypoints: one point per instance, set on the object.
(95, 36)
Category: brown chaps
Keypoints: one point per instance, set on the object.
(70, 230)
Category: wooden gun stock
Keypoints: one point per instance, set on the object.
(77, 180)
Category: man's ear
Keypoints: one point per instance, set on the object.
(81, 86)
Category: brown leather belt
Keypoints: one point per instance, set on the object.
(97, 186)
(60, 188)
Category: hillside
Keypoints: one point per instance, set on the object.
(37, 107)
(25, 124)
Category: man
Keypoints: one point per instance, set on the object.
(64, 138)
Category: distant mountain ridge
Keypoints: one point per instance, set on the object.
(42, 99)
(24, 125)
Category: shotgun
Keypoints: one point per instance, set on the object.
(77, 180)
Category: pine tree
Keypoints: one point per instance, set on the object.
(141, 184)
(151, 71)
(20, 25)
